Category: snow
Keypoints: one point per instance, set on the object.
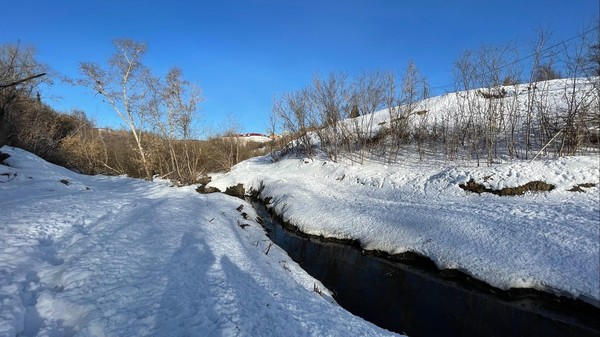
(548, 241)
(114, 256)
(256, 139)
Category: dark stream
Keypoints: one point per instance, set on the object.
(419, 300)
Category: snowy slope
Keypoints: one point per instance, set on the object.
(558, 94)
(113, 256)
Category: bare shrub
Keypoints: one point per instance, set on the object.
(368, 96)
(85, 151)
(413, 89)
(223, 152)
(329, 98)
(37, 128)
(20, 75)
(581, 115)
(296, 115)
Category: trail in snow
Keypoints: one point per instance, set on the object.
(112, 256)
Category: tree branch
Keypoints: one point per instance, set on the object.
(21, 81)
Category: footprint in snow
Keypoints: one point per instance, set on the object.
(48, 252)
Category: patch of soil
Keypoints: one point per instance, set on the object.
(236, 191)
(204, 180)
(202, 189)
(580, 187)
(532, 186)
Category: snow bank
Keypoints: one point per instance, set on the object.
(113, 256)
(548, 241)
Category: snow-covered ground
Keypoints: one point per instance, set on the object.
(548, 241)
(113, 256)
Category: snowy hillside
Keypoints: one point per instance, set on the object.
(555, 95)
(113, 256)
(544, 240)
(555, 117)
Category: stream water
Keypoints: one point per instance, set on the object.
(418, 300)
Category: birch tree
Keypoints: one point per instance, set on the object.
(124, 85)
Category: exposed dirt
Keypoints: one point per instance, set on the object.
(204, 180)
(532, 186)
(580, 187)
(236, 191)
(206, 190)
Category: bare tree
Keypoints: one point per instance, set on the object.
(492, 71)
(390, 101)
(593, 59)
(182, 99)
(468, 122)
(173, 107)
(368, 96)
(297, 118)
(125, 86)
(537, 93)
(413, 90)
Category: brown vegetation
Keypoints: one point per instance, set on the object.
(580, 187)
(532, 186)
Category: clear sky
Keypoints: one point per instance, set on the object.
(242, 53)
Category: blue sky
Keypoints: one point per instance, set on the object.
(244, 53)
